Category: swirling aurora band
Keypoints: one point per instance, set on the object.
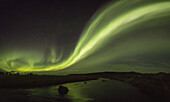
(92, 39)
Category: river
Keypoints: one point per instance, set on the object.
(101, 90)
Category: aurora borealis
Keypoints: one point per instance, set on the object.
(119, 34)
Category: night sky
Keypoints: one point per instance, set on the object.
(68, 36)
(40, 23)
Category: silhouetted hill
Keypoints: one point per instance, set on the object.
(153, 85)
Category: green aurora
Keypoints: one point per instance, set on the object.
(102, 39)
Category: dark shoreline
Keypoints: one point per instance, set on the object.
(153, 85)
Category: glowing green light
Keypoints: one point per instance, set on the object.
(96, 35)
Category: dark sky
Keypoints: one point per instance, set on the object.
(44, 22)
(38, 33)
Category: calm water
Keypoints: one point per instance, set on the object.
(102, 90)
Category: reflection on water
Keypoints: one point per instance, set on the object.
(105, 90)
(102, 90)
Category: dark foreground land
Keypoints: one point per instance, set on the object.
(153, 85)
